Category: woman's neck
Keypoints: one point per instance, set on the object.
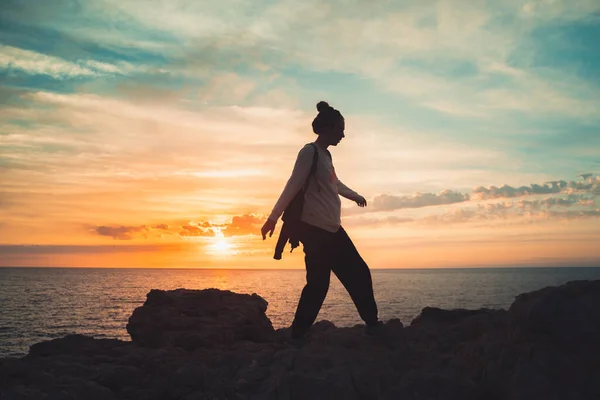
(322, 143)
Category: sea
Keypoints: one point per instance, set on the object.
(39, 304)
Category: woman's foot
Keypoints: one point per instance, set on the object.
(297, 342)
(374, 329)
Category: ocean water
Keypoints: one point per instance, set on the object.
(44, 303)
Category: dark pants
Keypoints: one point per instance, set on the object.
(325, 252)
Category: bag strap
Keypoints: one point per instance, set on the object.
(313, 168)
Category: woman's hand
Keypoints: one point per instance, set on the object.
(268, 227)
(361, 201)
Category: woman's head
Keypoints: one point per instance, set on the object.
(328, 124)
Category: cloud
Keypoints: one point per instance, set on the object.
(590, 184)
(487, 214)
(12, 58)
(203, 229)
(455, 58)
(506, 191)
(174, 229)
(550, 202)
(562, 10)
(587, 202)
(80, 150)
(460, 93)
(195, 230)
(247, 224)
(120, 144)
(523, 206)
(525, 210)
(388, 202)
(503, 213)
(570, 206)
(34, 63)
(239, 225)
(17, 249)
(123, 232)
(572, 214)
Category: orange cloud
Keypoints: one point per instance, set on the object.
(193, 230)
(123, 232)
(240, 225)
(247, 224)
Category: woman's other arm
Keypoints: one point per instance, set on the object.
(350, 194)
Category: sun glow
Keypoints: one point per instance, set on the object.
(221, 245)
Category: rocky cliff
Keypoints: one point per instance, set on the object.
(212, 344)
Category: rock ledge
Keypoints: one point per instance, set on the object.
(213, 344)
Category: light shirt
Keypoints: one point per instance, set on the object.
(322, 204)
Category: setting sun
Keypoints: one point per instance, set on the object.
(220, 246)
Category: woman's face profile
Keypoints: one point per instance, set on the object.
(337, 133)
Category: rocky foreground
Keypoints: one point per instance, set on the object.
(212, 344)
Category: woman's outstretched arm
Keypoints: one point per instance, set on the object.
(350, 194)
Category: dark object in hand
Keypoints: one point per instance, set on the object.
(290, 229)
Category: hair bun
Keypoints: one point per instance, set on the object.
(323, 106)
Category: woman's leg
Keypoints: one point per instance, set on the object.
(318, 264)
(354, 274)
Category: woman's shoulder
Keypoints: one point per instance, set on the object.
(307, 153)
(308, 148)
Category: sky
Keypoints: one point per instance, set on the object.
(161, 133)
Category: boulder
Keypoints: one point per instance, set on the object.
(569, 315)
(439, 317)
(199, 318)
(75, 344)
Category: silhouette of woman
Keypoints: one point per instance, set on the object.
(327, 246)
